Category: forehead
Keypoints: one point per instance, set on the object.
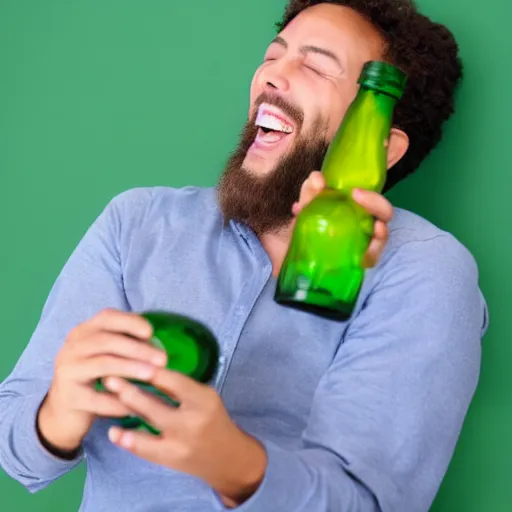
(336, 27)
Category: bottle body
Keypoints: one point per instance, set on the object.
(191, 349)
(322, 272)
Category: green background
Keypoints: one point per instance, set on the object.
(100, 96)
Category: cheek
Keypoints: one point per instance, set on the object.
(337, 110)
(334, 124)
(254, 90)
(325, 118)
(324, 106)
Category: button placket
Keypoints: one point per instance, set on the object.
(235, 323)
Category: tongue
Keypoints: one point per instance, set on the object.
(271, 137)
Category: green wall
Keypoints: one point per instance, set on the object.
(100, 96)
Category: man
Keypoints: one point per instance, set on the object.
(305, 414)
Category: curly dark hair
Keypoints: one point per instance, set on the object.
(427, 52)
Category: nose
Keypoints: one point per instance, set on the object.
(277, 77)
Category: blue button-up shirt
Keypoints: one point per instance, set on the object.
(362, 415)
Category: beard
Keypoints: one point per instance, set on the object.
(264, 203)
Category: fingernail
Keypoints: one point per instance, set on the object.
(159, 359)
(121, 437)
(145, 372)
(146, 333)
(114, 434)
(112, 383)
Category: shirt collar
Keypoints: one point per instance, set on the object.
(251, 240)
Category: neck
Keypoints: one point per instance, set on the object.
(276, 245)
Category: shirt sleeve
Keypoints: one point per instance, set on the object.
(387, 415)
(90, 281)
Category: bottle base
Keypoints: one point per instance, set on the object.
(316, 302)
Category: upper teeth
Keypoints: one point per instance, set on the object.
(267, 119)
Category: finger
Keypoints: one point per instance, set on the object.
(120, 345)
(374, 203)
(377, 245)
(144, 445)
(380, 231)
(179, 387)
(108, 365)
(100, 404)
(309, 190)
(124, 322)
(314, 184)
(153, 409)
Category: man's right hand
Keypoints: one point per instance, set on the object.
(112, 343)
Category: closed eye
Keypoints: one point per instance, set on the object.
(315, 70)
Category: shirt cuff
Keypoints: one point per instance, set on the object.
(27, 450)
(280, 488)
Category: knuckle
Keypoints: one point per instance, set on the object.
(105, 405)
(305, 184)
(108, 342)
(106, 364)
(116, 344)
(105, 314)
(63, 371)
(196, 423)
(183, 451)
(141, 351)
(113, 407)
(88, 402)
(386, 211)
(60, 359)
(74, 334)
(130, 394)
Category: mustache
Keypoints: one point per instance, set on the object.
(292, 111)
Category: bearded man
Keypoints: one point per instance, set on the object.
(305, 414)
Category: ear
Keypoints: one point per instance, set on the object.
(398, 144)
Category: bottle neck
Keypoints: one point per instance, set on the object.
(357, 156)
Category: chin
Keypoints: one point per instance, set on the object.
(256, 165)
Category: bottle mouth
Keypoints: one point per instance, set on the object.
(383, 77)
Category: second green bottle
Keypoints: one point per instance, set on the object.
(191, 349)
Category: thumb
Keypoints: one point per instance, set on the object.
(311, 187)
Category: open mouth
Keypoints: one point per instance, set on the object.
(273, 126)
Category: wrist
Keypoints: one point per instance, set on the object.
(249, 472)
(56, 435)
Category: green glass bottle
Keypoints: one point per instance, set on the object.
(191, 349)
(322, 271)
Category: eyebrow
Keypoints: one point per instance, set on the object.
(311, 49)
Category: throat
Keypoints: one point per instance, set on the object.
(276, 245)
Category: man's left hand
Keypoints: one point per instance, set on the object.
(375, 204)
(198, 437)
